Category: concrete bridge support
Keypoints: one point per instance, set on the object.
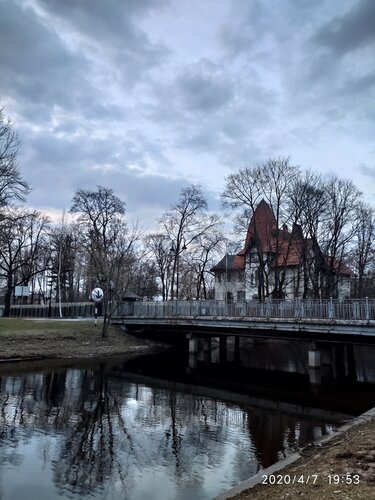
(315, 359)
(223, 348)
(193, 343)
(314, 364)
(214, 349)
(193, 362)
(237, 346)
(327, 362)
(215, 354)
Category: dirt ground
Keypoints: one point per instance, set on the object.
(41, 339)
(342, 468)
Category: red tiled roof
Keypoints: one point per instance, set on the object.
(338, 266)
(231, 262)
(261, 227)
(287, 247)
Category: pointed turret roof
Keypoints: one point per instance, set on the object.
(261, 227)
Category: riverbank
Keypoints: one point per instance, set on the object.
(26, 339)
(340, 466)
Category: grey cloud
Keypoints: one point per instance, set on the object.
(350, 31)
(61, 165)
(260, 28)
(110, 26)
(40, 70)
(210, 108)
(359, 84)
(146, 196)
(367, 170)
(33, 60)
(47, 151)
(248, 28)
(204, 92)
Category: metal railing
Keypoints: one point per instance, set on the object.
(298, 309)
(69, 310)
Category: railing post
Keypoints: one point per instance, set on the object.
(297, 308)
(331, 311)
(367, 310)
(269, 307)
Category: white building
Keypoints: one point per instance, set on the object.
(277, 263)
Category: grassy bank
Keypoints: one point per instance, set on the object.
(39, 339)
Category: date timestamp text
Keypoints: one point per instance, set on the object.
(310, 479)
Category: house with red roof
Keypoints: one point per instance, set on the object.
(277, 263)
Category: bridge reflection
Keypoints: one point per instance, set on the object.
(282, 388)
(320, 361)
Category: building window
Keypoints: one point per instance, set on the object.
(241, 296)
(254, 277)
(254, 257)
(229, 297)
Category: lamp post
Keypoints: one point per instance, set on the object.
(176, 251)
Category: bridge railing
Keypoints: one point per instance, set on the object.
(331, 309)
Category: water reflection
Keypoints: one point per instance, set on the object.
(109, 432)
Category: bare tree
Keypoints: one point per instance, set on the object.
(184, 224)
(363, 251)
(270, 181)
(200, 257)
(159, 246)
(22, 242)
(342, 199)
(12, 187)
(66, 245)
(242, 194)
(308, 213)
(108, 241)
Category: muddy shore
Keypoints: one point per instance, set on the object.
(340, 466)
(23, 339)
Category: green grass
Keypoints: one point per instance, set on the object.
(28, 339)
(24, 326)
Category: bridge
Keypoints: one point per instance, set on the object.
(332, 319)
(214, 329)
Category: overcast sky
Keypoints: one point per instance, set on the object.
(146, 96)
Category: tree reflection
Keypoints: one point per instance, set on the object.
(89, 455)
(109, 433)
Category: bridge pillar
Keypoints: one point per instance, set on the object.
(315, 363)
(207, 349)
(193, 362)
(326, 356)
(193, 343)
(223, 348)
(214, 350)
(237, 358)
(207, 344)
(352, 365)
(315, 360)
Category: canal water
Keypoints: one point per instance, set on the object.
(169, 427)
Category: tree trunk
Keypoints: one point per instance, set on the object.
(8, 296)
(105, 319)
